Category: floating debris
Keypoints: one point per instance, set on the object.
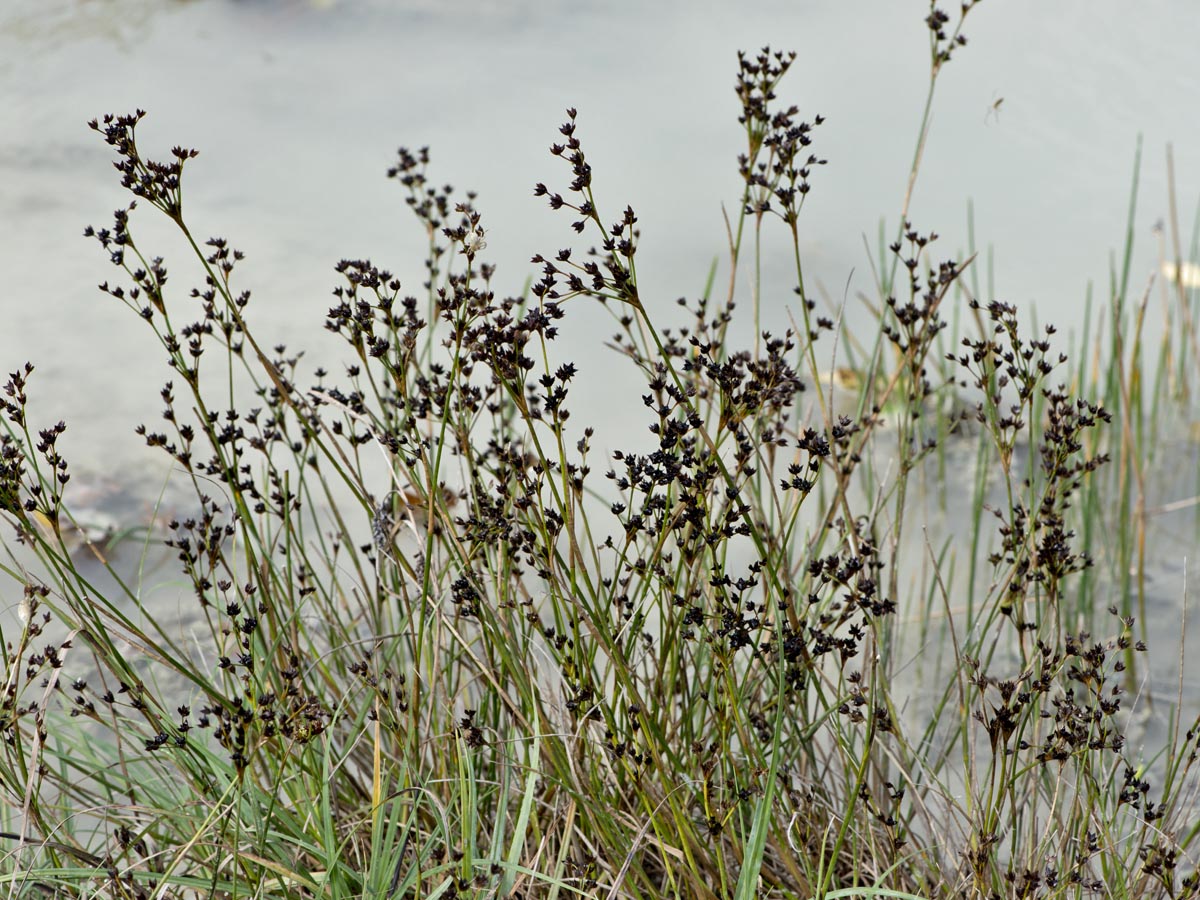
(1187, 275)
(90, 528)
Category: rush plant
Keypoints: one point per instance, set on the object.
(439, 645)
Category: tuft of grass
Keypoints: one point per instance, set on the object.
(438, 648)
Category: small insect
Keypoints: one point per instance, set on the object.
(994, 108)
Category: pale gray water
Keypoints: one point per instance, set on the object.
(297, 108)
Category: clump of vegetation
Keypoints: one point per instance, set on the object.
(440, 649)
